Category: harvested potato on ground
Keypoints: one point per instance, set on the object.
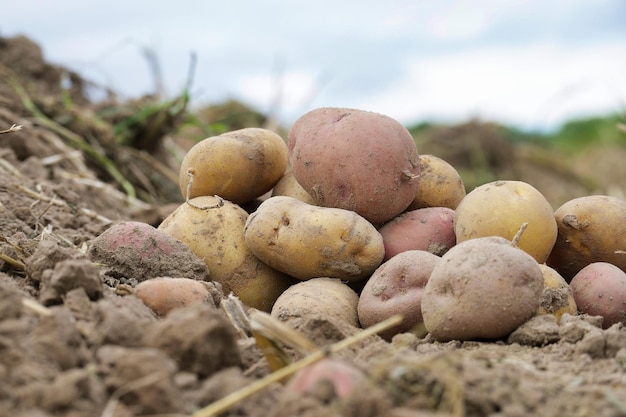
(306, 241)
(482, 288)
(355, 160)
(590, 229)
(440, 184)
(430, 229)
(499, 208)
(239, 166)
(164, 294)
(289, 186)
(396, 287)
(343, 377)
(557, 298)
(213, 229)
(600, 290)
(139, 251)
(328, 297)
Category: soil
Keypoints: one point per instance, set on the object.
(74, 342)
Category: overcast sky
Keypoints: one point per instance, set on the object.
(528, 63)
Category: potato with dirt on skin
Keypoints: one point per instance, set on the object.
(328, 297)
(441, 184)
(482, 288)
(239, 166)
(600, 290)
(355, 160)
(500, 208)
(430, 229)
(306, 241)
(396, 287)
(213, 229)
(590, 229)
(557, 298)
(289, 186)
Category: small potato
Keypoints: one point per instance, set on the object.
(590, 229)
(343, 377)
(328, 297)
(139, 251)
(440, 184)
(355, 160)
(214, 233)
(306, 241)
(500, 208)
(482, 288)
(430, 229)
(164, 294)
(557, 298)
(600, 290)
(289, 186)
(239, 166)
(396, 287)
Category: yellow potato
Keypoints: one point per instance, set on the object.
(239, 166)
(290, 187)
(306, 241)
(500, 208)
(215, 234)
(440, 185)
(591, 229)
(557, 298)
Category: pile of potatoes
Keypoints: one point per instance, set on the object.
(346, 219)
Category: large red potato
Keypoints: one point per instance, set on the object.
(600, 290)
(482, 288)
(355, 160)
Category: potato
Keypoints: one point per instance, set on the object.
(215, 235)
(289, 186)
(590, 229)
(328, 297)
(430, 229)
(557, 298)
(396, 287)
(482, 288)
(499, 209)
(239, 166)
(440, 184)
(355, 160)
(139, 251)
(164, 294)
(306, 241)
(344, 378)
(600, 290)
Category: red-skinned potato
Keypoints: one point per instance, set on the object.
(164, 294)
(440, 184)
(343, 377)
(590, 229)
(239, 166)
(429, 229)
(482, 288)
(396, 287)
(600, 290)
(137, 250)
(355, 160)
